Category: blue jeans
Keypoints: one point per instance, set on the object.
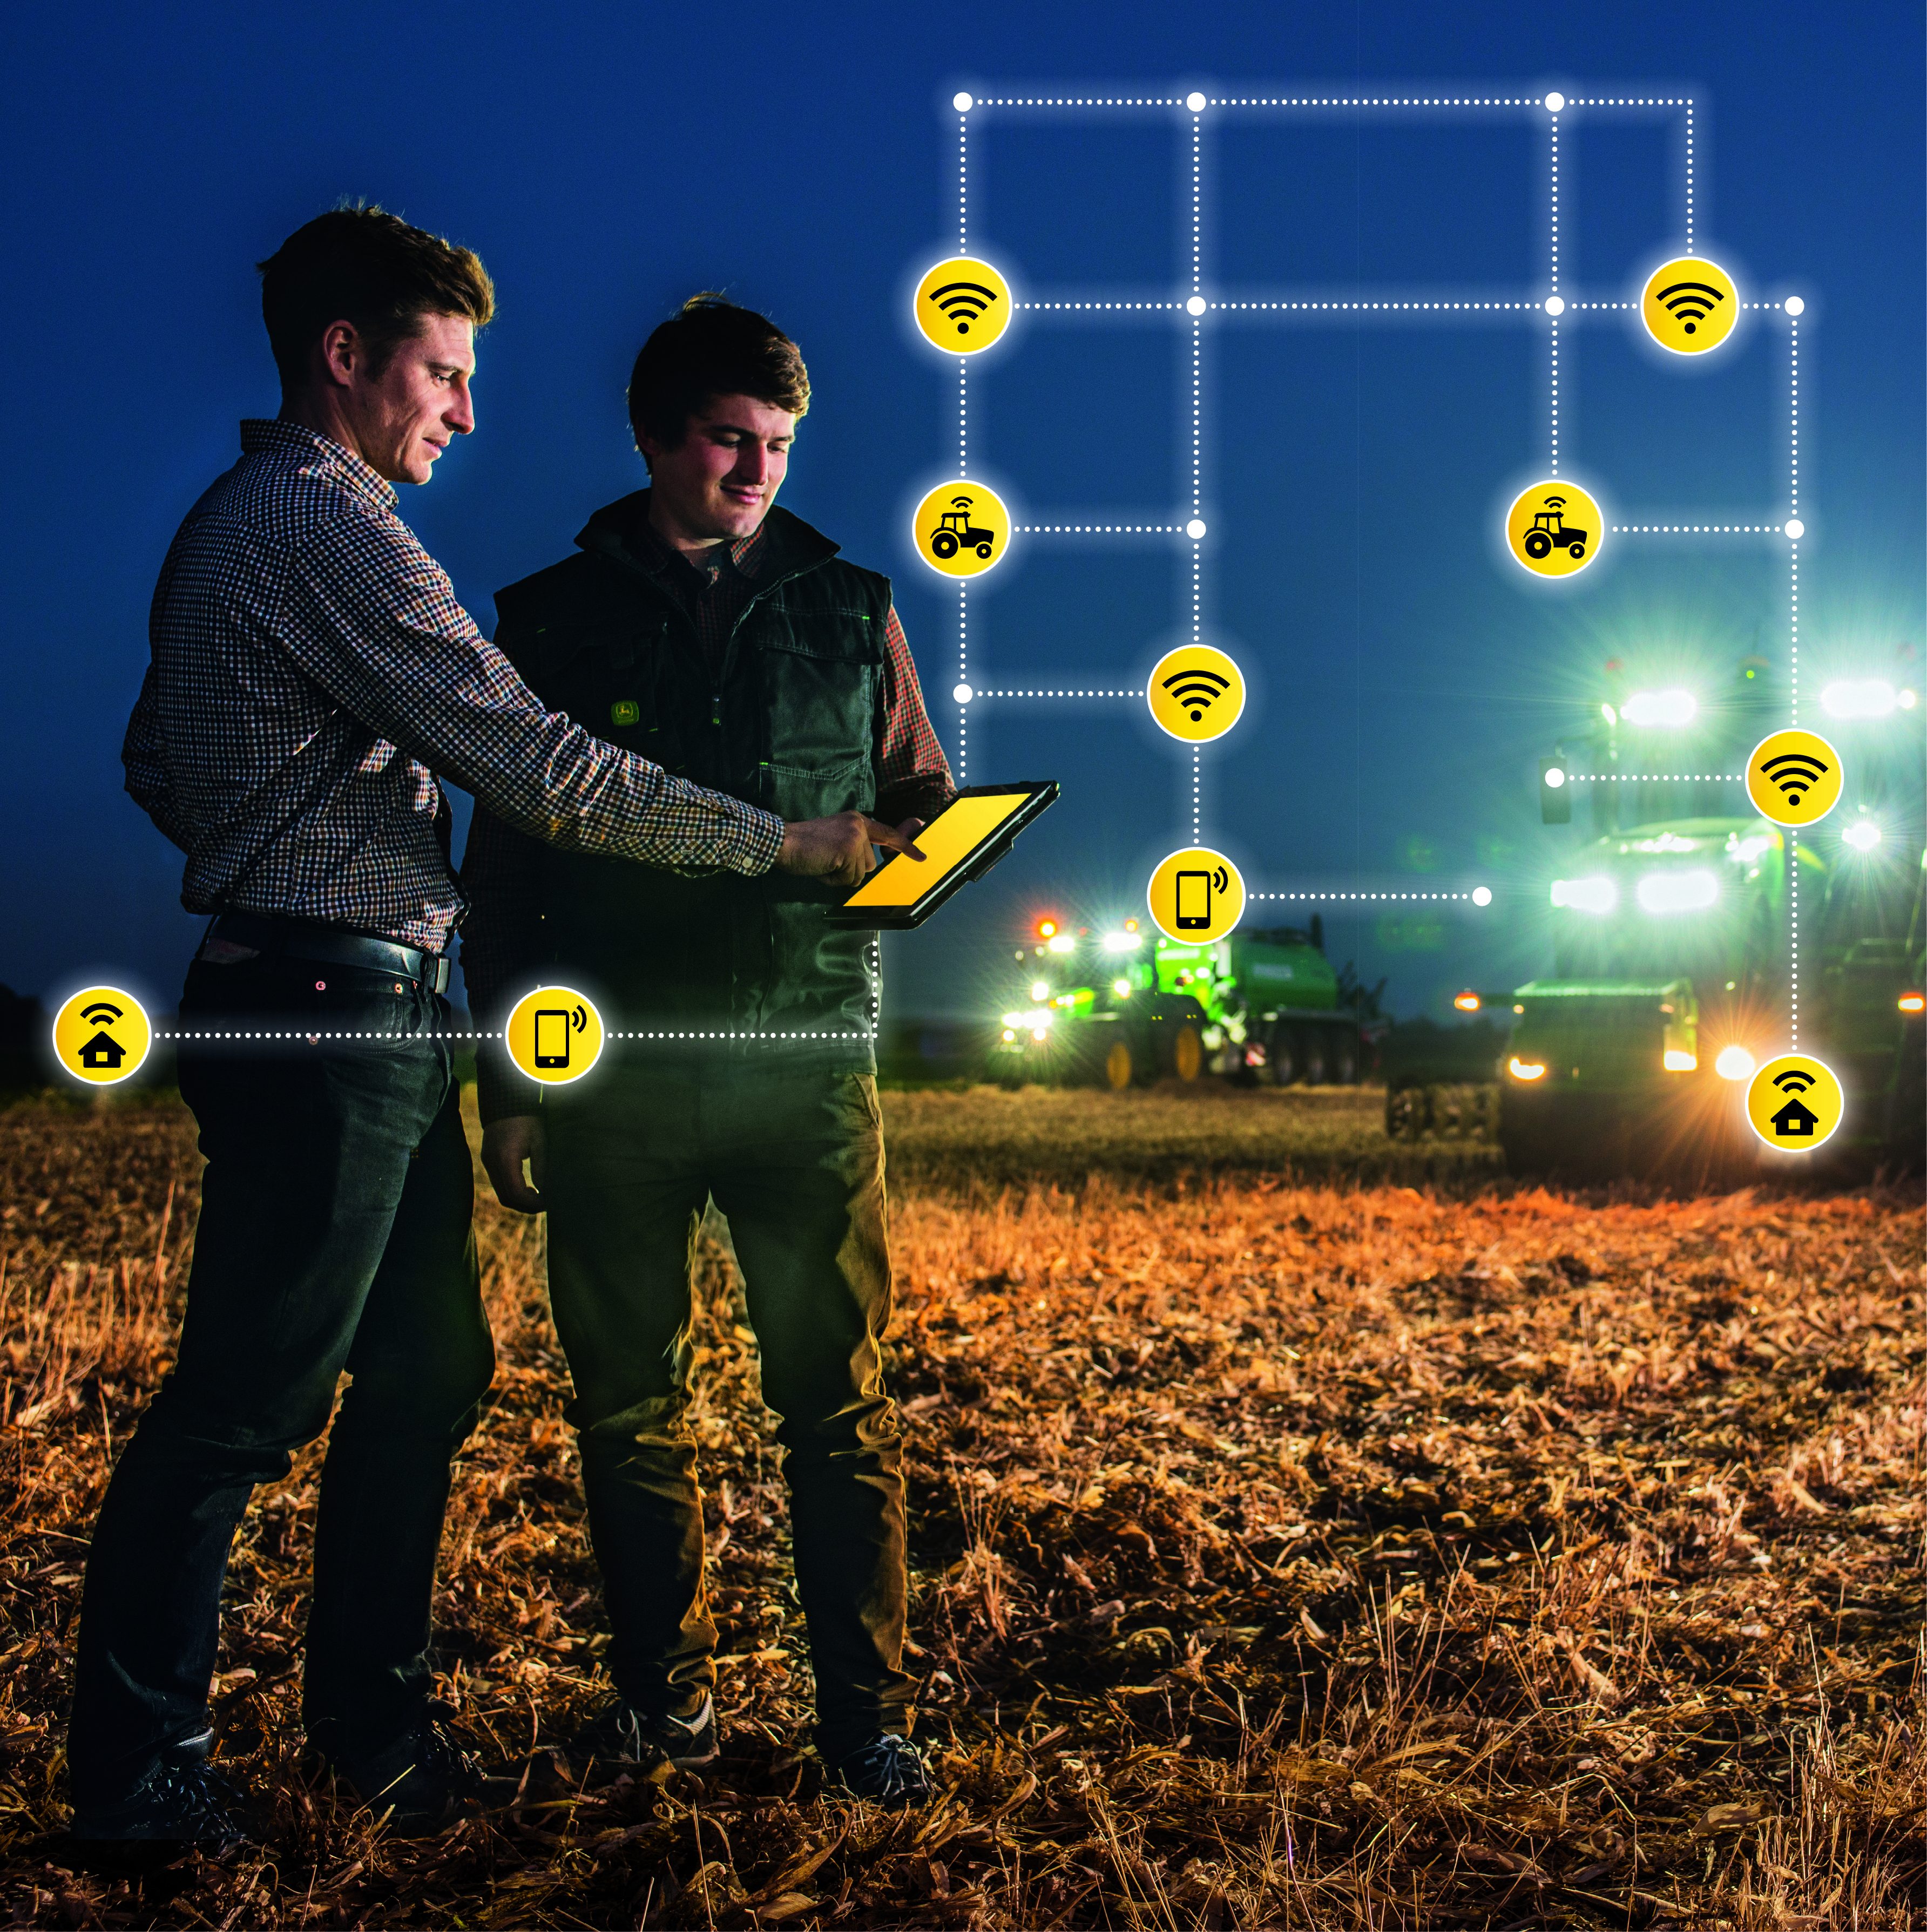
(335, 1235)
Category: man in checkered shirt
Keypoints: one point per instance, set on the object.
(312, 678)
(729, 640)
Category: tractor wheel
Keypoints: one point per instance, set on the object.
(1311, 1055)
(1538, 544)
(983, 551)
(1188, 1053)
(944, 543)
(1118, 1066)
(1575, 551)
(1283, 1058)
(1342, 1056)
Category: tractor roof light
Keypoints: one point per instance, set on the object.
(1735, 1063)
(1127, 941)
(1122, 988)
(1678, 890)
(1860, 698)
(1526, 1069)
(1467, 1002)
(1863, 835)
(1914, 1003)
(1046, 928)
(1669, 709)
(1063, 942)
(1039, 989)
(1677, 1059)
(1598, 895)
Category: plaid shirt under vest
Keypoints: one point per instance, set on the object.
(312, 674)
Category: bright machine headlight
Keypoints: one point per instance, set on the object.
(1526, 1069)
(1594, 895)
(1860, 698)
(1036, 1020)
(1123, 942)
(1063, 942)
(1734, 1063)
(1664, 708)
(1863, 835)
(1677, 1059)
(1122, 988)
(1039, 989)
(1675, 890)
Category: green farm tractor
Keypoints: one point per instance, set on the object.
(1122, 1006)
(1675, 940)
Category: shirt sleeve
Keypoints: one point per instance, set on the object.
(500, 871)
(913, 775)
(146, 776)
(375, 625)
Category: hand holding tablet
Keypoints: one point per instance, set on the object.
(961, 843)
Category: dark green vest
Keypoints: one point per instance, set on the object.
(792, 722)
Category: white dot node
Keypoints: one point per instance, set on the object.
(1555, 305)
(1554, 102)
(1195, 306)
(1481, 895)
(963, 104)
(1195, 102)
(1795, 528)
(1793, 305)
(963, 694)
(1195, 529)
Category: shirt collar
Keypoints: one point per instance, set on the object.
(745, 554)
(262, 436)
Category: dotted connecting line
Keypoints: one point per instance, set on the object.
(1626, 101)
(1689, 177)
(1655, 778)
(963, 415)
(1056, 693)
(1358, 895)
(1696, 529)
(1015, 100)
(1537, 307)
(1096, 529)
(1555, 204)
(1793, 945)
(1555, 396)
(1374, 101)
(963, 184)
(963, 681)
(1197, 799)
(298, 1034)
(1099, 304)
(1793, 491)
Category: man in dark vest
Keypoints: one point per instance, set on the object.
(727, 640)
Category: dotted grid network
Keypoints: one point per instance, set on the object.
(1192, 309)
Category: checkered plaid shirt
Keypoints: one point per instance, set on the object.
(312, 674)
(499, 945)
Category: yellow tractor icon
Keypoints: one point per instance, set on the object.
(1551, 530)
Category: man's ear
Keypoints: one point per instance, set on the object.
(342, 353)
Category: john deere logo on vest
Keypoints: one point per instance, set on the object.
(624, 711)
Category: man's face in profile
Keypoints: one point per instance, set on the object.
(718, 482)
(405, 417)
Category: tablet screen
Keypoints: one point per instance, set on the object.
(950, 839)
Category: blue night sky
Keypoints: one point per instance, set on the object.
(606, 161)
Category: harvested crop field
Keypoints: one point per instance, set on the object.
(1292, 1552)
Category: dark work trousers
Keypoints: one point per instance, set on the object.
(795, 1162)
(334, 1234)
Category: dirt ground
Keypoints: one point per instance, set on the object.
(1300, 1539)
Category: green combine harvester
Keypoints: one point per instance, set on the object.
(1673, 943)
(1121, 1006)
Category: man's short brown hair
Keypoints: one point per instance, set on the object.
(711, 348)
(362, 264)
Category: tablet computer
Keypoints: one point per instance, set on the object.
(961, 843)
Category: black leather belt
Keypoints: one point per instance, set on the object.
(303, 939)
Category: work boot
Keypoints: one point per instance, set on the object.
(888, 1771)
(621, 1734)
(181, 1805)
(420, 1781)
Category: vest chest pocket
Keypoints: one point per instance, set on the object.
(821, 697)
